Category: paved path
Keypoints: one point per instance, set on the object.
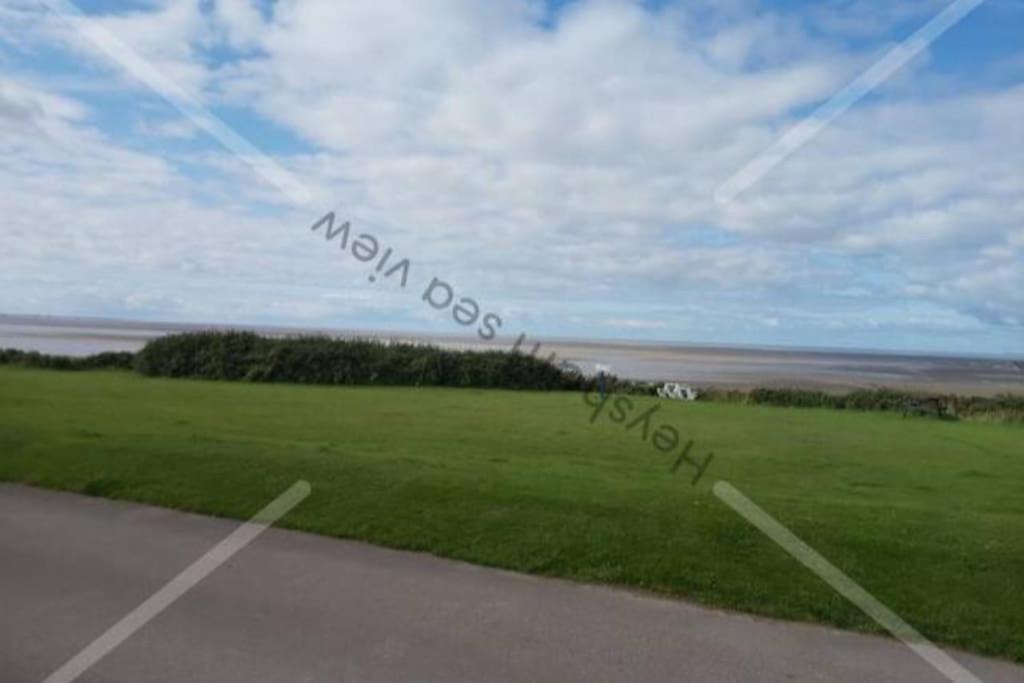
(295, 607)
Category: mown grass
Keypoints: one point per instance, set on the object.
(927, 515)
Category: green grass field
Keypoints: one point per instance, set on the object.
(926, 515)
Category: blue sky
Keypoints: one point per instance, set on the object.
(555, 162)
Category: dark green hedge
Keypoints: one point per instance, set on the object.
(99, 361)
(321, 360)
(1005, 408)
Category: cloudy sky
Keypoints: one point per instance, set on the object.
(555, 161)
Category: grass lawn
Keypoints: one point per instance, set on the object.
(926, 515)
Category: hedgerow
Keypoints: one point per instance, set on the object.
(249, 357)
(99, 361)
(323, 360)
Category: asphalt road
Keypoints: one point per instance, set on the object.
(295, 607)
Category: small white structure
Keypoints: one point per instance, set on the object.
(677, 391)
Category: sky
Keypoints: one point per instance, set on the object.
(556, 162)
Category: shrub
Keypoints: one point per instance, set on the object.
(211, 355)
(721, 395)
(322, 360)
(801, 398)
(1004, 408)
(99, 361)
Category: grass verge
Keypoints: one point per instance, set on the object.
(927, 515)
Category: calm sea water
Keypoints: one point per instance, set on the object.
(700, 365)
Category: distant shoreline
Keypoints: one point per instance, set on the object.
(170, 326)
(723, 366)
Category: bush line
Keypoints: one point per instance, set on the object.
(1002, 408)
(244, 356)
(111, 360)
(248, 357)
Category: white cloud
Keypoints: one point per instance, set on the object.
(241, 20)
(23, 106)
(532, 158)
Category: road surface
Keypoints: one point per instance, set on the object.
(296, 607)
